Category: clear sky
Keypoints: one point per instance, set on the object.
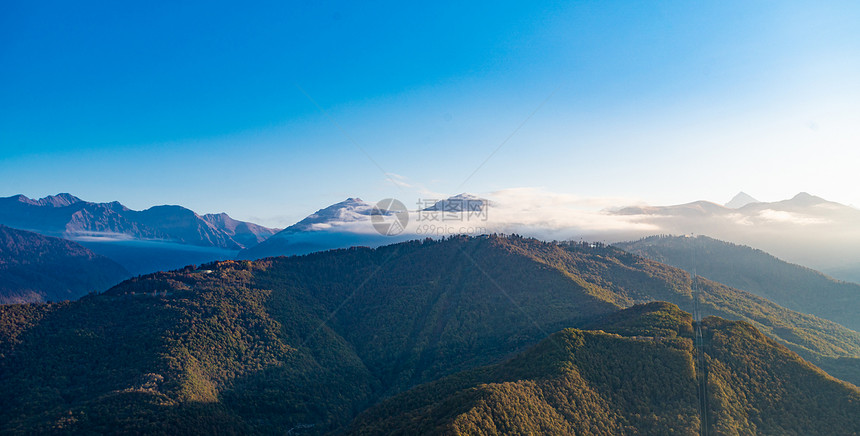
(269, 111)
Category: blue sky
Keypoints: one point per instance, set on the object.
(272, 110)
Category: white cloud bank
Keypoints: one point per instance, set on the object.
(816, 235)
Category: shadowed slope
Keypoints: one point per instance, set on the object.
(791, 286)
(36, 268)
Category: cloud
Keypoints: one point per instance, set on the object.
(785, 217)
(398, 180)
(551, 215)
(404, 182)
(540, 197)
(92, 236)
(541, 213)
(528, 211)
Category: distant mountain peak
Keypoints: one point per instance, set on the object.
(459, 203)
(60, 200)
(350, 210)
(221, 215)
(171, 208)
(805, 196)
(806, 199)
(464, 196)
(740, 200)
(247, 234)
(70, 217)
(352, 202)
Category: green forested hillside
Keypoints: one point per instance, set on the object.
(307, 343)
(278, 343)
(642, 381)
(831, 346)
(792, 286)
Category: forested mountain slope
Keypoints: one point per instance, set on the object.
(637, 375)
(792, 286)
(309, 342)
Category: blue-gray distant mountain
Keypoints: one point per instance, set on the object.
(460, 203)
(849, 272)
(158, 238)
(341, 225)
(68, 216)
(792, 286)
(245, 233)
(36, 268)
(806, 229)
(348, 224)
(810, 206)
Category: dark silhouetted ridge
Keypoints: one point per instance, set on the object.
(35, 268)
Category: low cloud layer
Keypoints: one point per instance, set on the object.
(806, 229)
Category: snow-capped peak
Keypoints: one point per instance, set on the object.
(349, 210)
(459, 203)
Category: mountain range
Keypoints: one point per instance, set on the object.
(341, 225)
(306, 344)
(158, 238)
(806, 229)
(65, 215)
